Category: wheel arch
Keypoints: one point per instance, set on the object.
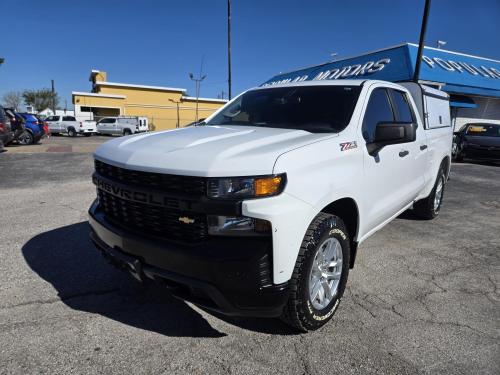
(347, 210)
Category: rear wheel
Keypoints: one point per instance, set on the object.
(126, 132)
(428, 208)
(87, 134)
(320, 274)
(26, 138)
(72, 132)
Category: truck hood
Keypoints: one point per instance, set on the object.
(206, 151)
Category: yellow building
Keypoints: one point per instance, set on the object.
(165, 107)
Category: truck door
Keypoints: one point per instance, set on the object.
(58, 124)
(417, 151)
(115, 126)
(390, 179)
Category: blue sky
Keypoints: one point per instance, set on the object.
(160, 42)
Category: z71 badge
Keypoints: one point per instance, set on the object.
(348, 145)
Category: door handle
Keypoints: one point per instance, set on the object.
(423, 147)
(402, 154)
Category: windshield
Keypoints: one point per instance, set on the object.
(487, 130)
(316, 109)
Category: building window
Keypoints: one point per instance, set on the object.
(85, 109)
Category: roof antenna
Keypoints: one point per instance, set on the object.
(423, 29)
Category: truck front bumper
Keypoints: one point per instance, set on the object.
(229, 275)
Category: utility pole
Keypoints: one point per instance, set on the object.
(53, 97)
(178, 117)
(229, 49)
(421, 42)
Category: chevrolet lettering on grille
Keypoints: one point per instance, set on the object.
(126, 193)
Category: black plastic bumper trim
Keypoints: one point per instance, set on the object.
(216, 275)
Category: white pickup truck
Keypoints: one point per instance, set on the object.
(260, 210)
(122, 125)
(70, 125)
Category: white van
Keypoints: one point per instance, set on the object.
(122, 125)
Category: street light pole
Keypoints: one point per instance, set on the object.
(197, 82)
(229, 49)
(440, 43)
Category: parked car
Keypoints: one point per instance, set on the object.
(17, 124)
(260, 211)
(34, 129)
(6, 133)
(122, 125)
(477, 141)
(59, 124)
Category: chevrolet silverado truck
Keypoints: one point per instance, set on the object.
(259, 211)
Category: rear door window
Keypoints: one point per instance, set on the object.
(68, 118)
(401, 106)
(107, 121)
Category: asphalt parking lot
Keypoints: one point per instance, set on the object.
(424, 297)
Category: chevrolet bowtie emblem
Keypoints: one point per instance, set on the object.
(186, 220)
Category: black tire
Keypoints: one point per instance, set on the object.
(126, 132)
(426, 208)
(299, 312)
(456, 149)
(71, 132)
(87, 134)
(26, 138)
(456, 152)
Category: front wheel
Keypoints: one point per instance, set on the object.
(428, 208)
(320, 274)
(456, 152)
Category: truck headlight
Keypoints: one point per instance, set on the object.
(237, 226)
(246, 187)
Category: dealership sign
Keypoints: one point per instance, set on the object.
(347, 71)
(461, 67)
(398, 63)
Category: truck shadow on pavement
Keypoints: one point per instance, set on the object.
(66, 258)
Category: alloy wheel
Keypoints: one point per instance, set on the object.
(325, 273)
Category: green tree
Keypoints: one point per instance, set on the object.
(13, 99)
(41, 99)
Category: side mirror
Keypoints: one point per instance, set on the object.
(391, 133)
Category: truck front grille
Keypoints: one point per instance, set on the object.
(168, 221)
(164, 182)
(153, 221)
